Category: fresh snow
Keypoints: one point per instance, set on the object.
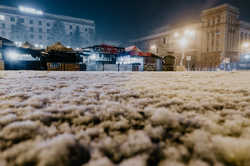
(109, 118)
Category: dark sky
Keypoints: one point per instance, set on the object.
(122, 20)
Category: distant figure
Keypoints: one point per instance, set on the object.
(193, 67)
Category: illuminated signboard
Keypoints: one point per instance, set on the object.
(108, 49)
(30, 10)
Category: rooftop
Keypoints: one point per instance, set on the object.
(14, 10)
(220, 7)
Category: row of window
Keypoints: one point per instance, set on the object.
(213, 41)
(169, 41)
(40, 30)
(31, 22)
(218, 20)
(22, 21)
(244, 36)
(31, 36)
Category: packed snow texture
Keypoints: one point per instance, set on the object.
(108, 119)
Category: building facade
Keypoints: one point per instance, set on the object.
(42, 29)
(219, 35)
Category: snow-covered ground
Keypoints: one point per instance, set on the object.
(140, 119)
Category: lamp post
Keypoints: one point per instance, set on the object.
(183, 44)
(188, 34)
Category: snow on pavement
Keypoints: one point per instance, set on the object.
(142, 119)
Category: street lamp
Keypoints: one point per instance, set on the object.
(176, 34)
(183, 43)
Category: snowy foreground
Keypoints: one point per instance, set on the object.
(127, 119)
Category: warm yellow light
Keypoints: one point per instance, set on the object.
(183, 42)
(153, 47)
(189, 32)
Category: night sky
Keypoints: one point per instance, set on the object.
(122, 20)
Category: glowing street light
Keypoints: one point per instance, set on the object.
(18, 44)
(183, 43)
(2, 17)
(13, 55)
(176, 34)
(190, 33)
(93, 56)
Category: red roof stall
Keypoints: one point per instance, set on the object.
(145, 60)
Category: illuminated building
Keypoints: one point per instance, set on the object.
(39, 28)
(219, 34)
(109, 58)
